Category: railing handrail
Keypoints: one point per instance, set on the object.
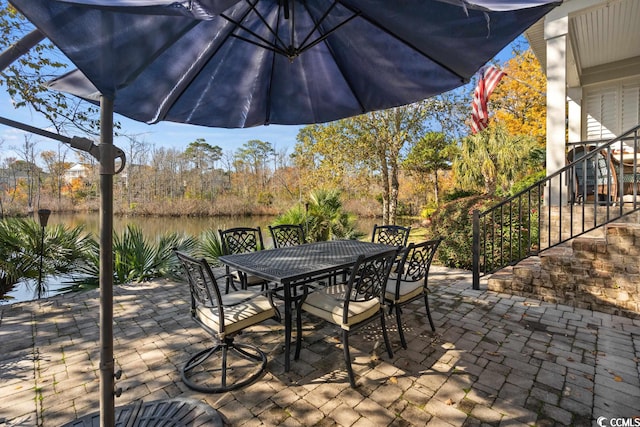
(613, 192)
(595, 152)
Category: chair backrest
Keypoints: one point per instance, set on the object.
(203, 286)
(594, 176)
(240, 240)
(394, 235)
(416, 261)
(287, 235)
(368, 278)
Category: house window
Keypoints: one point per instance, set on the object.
(611, 109)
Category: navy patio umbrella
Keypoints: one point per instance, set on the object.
(243, 63)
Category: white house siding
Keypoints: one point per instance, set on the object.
(611, 108)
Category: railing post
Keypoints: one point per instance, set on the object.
(475, 248)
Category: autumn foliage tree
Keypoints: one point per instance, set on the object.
(370, 144)
(519, 101)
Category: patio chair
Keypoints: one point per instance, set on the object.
(350, 305)
(239, 240)
(287, 235)
(394, 235)
(409, 282)
(227, 365)
(595, 179)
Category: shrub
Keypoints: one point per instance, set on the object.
(527, 182)
(454, 222)
(323, 218)
(137, 259)
(458, 194)
(64, 249)
(210, 247)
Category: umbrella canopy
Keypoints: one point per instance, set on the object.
(243, 63)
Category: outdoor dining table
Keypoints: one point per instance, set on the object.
(292, 266)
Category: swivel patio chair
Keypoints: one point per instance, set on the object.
(409, 282)
(394, 235)
(287, 235)
(227, 365)
(351, 305)
(241, 240)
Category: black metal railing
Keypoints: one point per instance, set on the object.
(598, 185)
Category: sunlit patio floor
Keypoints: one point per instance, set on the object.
(494, 359)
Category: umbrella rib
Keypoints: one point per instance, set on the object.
(317, 24)
(267, 118)
(400, 39)
(277, 46)
(327, 34)
(264, 46)
(293, 20)
(351, 88)
(161, 112)
(267, 112)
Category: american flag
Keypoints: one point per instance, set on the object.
(489, 78)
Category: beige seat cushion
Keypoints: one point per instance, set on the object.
(328, 304)
(251, 279)
(408, 290)
(250, 308)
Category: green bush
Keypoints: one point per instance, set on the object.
(510, 233)
(458, 194)
(209, 247)
(427, 212)
(21, 241)
(138, 259)
(453, 221)
(527, 182)
(323, 217)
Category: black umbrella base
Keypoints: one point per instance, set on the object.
(177, 412)
(224, 367)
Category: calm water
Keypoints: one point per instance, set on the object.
(150, 227)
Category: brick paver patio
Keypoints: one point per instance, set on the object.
(494, 359)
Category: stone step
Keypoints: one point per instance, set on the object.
(600, 273)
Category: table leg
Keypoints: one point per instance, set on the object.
(287, 327)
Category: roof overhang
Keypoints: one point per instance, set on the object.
(603, 39)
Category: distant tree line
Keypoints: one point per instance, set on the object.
(418, 159)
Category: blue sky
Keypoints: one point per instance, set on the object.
(164, 134)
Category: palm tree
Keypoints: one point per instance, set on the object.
(326, 218)
(138, 259)
(21, 242)
(323, 217)
(210, 246)
(493, 159)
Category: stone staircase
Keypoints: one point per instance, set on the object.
(596, 272)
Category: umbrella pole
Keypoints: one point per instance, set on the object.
(107, 170)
